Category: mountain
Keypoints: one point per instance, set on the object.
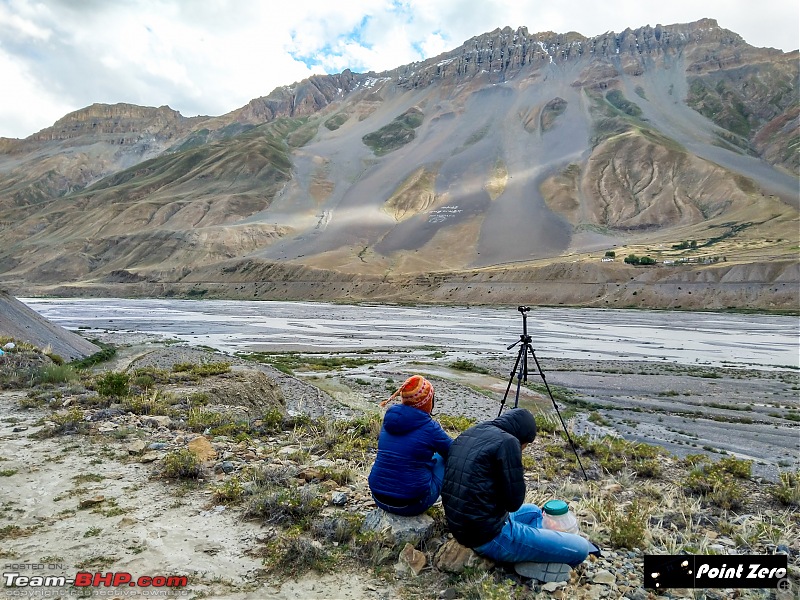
(508, 166)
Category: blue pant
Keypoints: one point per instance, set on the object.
(523, 539)
(419, 507)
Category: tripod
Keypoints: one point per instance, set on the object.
(520, 370)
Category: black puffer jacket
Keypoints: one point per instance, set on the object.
(484, 477)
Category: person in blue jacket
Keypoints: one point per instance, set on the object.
(407, 476)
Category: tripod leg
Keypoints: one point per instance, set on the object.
(558, 412)
(520, 354)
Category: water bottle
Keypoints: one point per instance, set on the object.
(556, 515)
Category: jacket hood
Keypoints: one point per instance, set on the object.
(518, 422)
(401, 419)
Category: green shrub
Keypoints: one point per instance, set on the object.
(295, 555)
(55, 374)
(272, 420)
(71, 421)
(736, 467)
(112, 384)
(147, 376)
(614, 454)
(714, 482)
(199, 419)
(56, 358)
(153, 404)
(725, 494)
(455, 423)
(181, 464)
(340, 476)
(787, 490)
(229, 492)
(374, 548)
(286, 506)
(626, 527)
(469, 366)
(695, 459)
(341, 528)
(547, 423)
(107, 353)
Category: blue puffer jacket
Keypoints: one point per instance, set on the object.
(408, 439)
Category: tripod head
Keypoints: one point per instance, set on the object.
(524, 337)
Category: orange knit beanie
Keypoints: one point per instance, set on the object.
(417, 392)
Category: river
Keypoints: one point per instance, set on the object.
(691, 338)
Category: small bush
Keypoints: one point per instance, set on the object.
(142, 404)
(107, 353)
(229, 492)
(725, 494)
(736, 467)
(695, 459)
(286, 506)
(113, 384)
(455, 423)
(181, 464)
(598, 419)
(272, 420)
(466, 365)
(340, 476)
(55, 374)
(269, 475)
(341, 529)
(787, 490)
(614, 454)
(199, 419)
(547, 423)
(56, 358)
(71, 421)
(294, 555)
(713, 481)
(626, 528)
(147, 376)
(374, 548)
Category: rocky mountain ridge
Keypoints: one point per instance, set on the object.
(532, 146)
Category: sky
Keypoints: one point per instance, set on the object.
(209, 57)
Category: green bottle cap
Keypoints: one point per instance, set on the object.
(556, 507)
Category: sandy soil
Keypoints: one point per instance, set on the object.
(86, 503)
(142, 526)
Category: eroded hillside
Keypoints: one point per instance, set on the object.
(515, 149)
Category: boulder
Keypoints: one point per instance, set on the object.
(135, 447)
(604, 577)
(452, 557)
(411, 560)
(202, 449)
(402, 529)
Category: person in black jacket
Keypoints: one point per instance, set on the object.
(483, 496)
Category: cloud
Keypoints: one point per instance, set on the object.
(214, 56)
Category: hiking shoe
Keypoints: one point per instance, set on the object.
(544, 572)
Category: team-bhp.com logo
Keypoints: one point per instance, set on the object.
(84, 579)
